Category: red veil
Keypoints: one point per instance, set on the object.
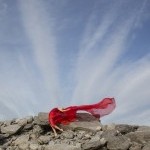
(67, 115)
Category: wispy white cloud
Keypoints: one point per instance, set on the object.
(38, 27)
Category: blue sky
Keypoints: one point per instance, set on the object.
(58, 53)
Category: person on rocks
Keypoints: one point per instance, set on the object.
(66, 115)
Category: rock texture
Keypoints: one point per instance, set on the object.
(87, 133)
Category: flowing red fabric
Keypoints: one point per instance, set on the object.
(102, 108)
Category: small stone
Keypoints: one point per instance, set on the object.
(28, 126)
(29, 119)
(33, 136)
(51, 143)
(2, 137)
(68, 134)
(33, 146)
(86, 136)
(111, 126)
(23, 146)
(103, 141)
(62, 146)
(37, 129)
(10, 148)
(147, 146)
(94, 143)
(1, 123)
(11, 129)
(44, 139)
(80, 136)
(21, 122)
(99, 133)
(41, 119)
(124, 128)
(144, 128)
(98, 128)
(109, 134)
(135, 146)
(21, 139)
(141, 137)
(7, 122)
(118, 143)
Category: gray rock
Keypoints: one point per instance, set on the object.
(28, 126)
(147, 146)
(68, 134)
(139, 136)
(1, 123)
(21, 139)
(51, 143)
(118, 143)
(85, 122)
(124, 129)
(44, 139)
(80, 136)
(7, 122)
(136, 146)
(86, 133)
(93, 144)
(11, 129)
(10, 148)
(23, 146)
(37, 129)
(100, 133)
(62, 146)
(144, 128)
(21, 122)
(34, 136)
(2, 137)
(103, 141)
(41, 119)
(109, 134)
(29, 119)
(86, 137)
(111, 126)
(33, 146)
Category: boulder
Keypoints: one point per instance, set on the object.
(41, 119)
(136, 146)
(44, 139)
(124, 128)
(11, 129)
(23, 146)
(94, 143)
(118, 143)
(21, 139)
(84, 121)
(62, 147)
(141, 137)
(147, 146)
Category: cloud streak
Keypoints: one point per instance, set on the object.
(38, 27)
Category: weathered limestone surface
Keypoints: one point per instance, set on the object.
(86, 133)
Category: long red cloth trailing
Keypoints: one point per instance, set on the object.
(67, 115)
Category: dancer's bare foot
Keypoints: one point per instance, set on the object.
(54, 130)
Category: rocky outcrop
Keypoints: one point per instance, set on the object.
(87, 133)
